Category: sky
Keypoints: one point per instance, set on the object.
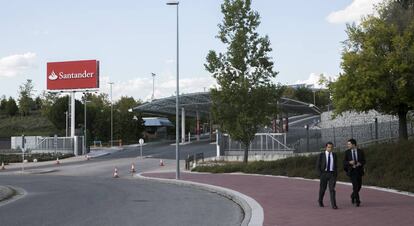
(134, 38)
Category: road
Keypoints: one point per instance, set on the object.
(84, 193)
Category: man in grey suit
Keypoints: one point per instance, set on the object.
(327, 170)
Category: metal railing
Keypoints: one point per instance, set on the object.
(262, 143)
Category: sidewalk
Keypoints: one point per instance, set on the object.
(292, 201)
(93, 154)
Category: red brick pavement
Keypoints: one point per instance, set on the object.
(288, 201)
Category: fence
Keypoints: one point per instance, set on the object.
(263, 143)
(36, 144)
(366, 133)
(314, 139)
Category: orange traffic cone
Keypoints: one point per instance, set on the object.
(133, 168)
(161, 162)
(57, 161)
(2, 166)
(115, 173)
(87, 157)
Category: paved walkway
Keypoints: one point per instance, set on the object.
(289, 201)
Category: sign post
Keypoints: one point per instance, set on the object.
(23, 150)
(141, 142)
(72, 77)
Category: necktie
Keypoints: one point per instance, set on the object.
(328, 167)
(354, 155)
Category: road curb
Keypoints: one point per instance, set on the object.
(11, 194)
(6, 193)
(253, 212)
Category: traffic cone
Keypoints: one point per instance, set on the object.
(2, 166)
(87, 157)
(133, 168)
(115, 173)
(57, 161)
(161, 162)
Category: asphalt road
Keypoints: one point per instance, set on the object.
(85, 193)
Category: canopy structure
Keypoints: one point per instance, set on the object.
(201, 103)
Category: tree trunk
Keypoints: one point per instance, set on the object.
(402, 121)
(246, 154)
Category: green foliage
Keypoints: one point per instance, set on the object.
(33, 125)
(129, 125)
(26, 102)
(15, 158)
(56, 113)
(388, 165)
(11, 108)
(246, 97)
(378, 65)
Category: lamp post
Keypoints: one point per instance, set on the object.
(153, 86)
(85, 126)
(67, 117)
(112, 109)
(177, 119)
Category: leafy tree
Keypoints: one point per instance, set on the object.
(57, 111)
(378, 64)
(128, 126)
(25, 97)
(3, 104)
(48, 99)
(246, 97)
(11, 107)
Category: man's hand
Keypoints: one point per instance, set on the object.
(352, 162)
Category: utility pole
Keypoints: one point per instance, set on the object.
(153, 86)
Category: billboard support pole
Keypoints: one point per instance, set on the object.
(72, 114)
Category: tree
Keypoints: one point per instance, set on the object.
(11, 107)
(128, 125)
(25, 97)
(57, 111)
(378, 64)
(3, 104)
(246, 98)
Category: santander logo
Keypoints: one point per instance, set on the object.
(53, 76)
(61, 75)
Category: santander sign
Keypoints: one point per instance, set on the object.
(82, 74)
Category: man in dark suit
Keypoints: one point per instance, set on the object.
(327, 169)
(354, 162)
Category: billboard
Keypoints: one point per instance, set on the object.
(83, 74)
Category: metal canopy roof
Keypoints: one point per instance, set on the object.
(201, 102)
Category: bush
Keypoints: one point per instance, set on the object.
(14, 158)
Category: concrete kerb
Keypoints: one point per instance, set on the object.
(253, 211)
(11, 194)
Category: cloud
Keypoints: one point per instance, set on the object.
(353, 12)
(18, 64)
(141, 88)
(314, 80)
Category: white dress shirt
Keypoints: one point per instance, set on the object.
(329, 155)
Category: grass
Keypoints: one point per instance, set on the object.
(33, 125)
(388, 165)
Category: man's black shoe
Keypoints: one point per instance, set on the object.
(320, 204)
(358, 204)
(334, 207)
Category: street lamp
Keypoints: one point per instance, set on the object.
(177, 119)
(112, 109)
(153, 85)
(85, 126)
